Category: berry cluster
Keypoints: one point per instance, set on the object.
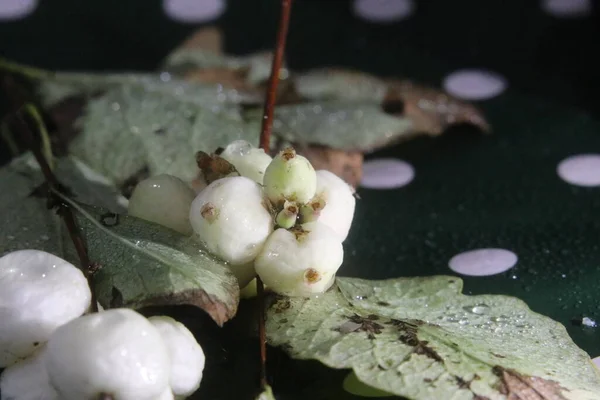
(277, 217)
(53, 350)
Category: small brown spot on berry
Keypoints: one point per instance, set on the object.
(311, 276)
(288, 154)
(299, 232)
(209, 212)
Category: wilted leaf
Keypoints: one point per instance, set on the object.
(422, 339)
(213, 167)
(430, 110)
(144, 264)
(26, 221)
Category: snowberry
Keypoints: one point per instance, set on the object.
(249, 161)
(187, 357)
(27, 380)
(301, 261)
(38, 293)
(290, 176)
(286, 218)
(116, 352)
(339, 202)
(230, 216)
(165, 200)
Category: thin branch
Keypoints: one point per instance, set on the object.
(63, 209)
(265, 141)
(269, 108)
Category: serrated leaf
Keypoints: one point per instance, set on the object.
(144, 264)
(422, 339)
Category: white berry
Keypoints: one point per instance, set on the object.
(187, 357)
(339, 202)
(290, 176)
(230, 217)
(165, 200)
(249, 161)
(116, 352)
(301, 261)
(27, 380)
(38, 293)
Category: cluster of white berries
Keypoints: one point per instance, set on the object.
(276, 217)
(53, 350)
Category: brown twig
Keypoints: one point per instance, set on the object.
(63, 209)
(265, 140)
(269, 108)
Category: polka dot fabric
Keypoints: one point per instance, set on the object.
(514, 212)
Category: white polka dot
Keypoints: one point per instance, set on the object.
(597, 361)
(383, 10)
(567, 8)
(474, 84)
(194, 10)
(16, 9)
(386, 173)
(580, 170)
(483, 262)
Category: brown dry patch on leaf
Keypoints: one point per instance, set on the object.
(213, 167)
(431, 110)
(522, 387)
(208, 38)
(219, 311)
(345, 164)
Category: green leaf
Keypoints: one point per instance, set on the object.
(144, 264)
(129, 129)
(361, 126)
(422, 339)
(26, 221)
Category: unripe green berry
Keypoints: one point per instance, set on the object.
(286, 218)
(290, 177)
(311, 211)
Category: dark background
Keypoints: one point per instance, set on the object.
(471, 191)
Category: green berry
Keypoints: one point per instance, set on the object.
(290, 177)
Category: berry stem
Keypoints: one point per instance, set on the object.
(265, 141)
(63, 210)
(269, 107)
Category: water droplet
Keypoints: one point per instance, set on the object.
(165, 76)
(45, 237)
(480, 309)
(463, 321)
(499, 319)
